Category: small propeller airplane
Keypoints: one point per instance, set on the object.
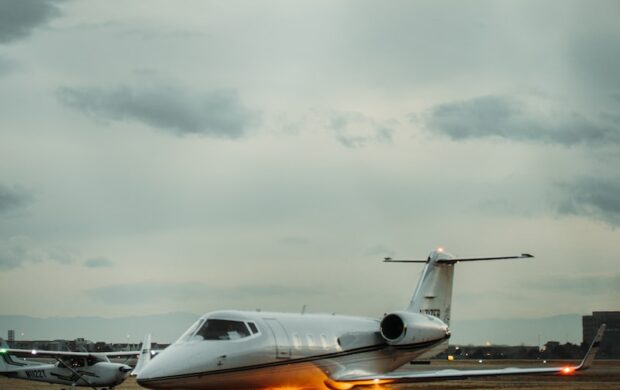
(82, 369)
(263, 350)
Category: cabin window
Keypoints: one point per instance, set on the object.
(73, 362)
(223, 330)
(296, 341)
(324, 342)
(310, 341)
(338, 344)
(253, 327)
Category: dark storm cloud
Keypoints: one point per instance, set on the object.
(150, 292)
(12, 198)
(217, 114)
(595, 198)
(98, 262)
(512, 118)
(19, 17)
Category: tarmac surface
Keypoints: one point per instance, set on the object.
(604, 375)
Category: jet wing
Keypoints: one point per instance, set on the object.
(430, 375)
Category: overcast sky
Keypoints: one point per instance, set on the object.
(191, 156)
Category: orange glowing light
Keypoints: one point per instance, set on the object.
(375, 383)
(568, 370)
(286, 388)
(439, 249)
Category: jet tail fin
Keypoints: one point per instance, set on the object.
(145, 355)
(433, 294)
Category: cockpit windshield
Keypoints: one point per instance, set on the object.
(190, 332)
(214, 329)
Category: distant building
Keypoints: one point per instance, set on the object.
(610, 346)
(11, 335)
(48, 345)
(81, 344)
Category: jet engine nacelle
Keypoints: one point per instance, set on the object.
(403, 327)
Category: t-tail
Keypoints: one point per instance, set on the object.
(433, 294)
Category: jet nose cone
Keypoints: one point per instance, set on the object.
(145, 377)
(162, 365)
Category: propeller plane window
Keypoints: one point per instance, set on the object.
(74, 362)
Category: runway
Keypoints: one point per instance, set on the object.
(603, 375)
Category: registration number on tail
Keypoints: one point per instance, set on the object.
(431, 312)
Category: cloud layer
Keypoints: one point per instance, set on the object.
(218, 114)
(231, 144)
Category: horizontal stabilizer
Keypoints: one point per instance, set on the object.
(390, 260)
(457, 259)
(522, 256)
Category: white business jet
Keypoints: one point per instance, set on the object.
(262, 350)
(82, 369)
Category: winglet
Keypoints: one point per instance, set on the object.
(589, 358)
(145, 356)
